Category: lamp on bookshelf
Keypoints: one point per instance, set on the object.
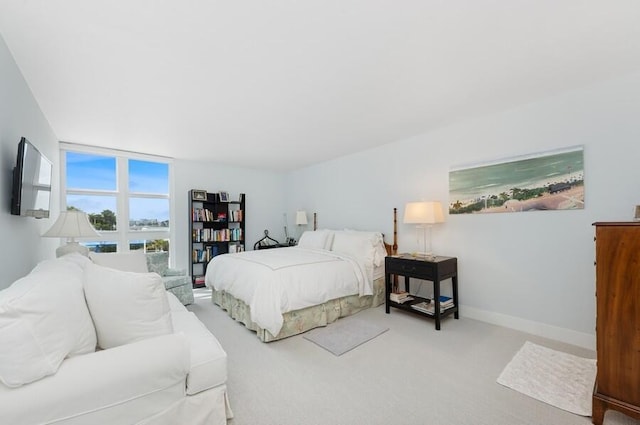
(72, 224)
(424, 214)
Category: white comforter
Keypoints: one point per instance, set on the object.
(274, 281)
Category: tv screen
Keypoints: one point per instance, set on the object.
(31, 193)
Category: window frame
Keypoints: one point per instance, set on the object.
(123, 235)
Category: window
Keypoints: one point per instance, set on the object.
(126, 195)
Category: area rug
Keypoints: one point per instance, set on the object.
(344, 335)
(556, 378)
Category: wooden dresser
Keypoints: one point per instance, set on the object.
(618, 319)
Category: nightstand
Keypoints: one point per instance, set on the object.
(435, 270)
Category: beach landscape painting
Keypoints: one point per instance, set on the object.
(552, 180)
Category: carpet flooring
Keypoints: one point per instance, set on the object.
(410, 374)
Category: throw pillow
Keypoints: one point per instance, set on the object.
(126, 306)
(43, 318)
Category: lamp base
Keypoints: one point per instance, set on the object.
(72, 247)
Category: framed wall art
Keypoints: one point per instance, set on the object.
(552, 180)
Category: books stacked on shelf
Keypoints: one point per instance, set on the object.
(236, 215)
(445, 302)
(198, 280)
(212, 235)
(235, 234)
(423, 306)
(400, 297)
(429, 307)
(204, 255)
(235, 247)
(201, 214)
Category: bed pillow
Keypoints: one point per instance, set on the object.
(313, 239)
(354, 245)
(377, 241)
(44, 319)
(126, 306)
(328, 243)
(132, 261)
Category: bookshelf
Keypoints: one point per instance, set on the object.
(215, 227)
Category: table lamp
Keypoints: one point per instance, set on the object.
(72, 224)
(425, 215)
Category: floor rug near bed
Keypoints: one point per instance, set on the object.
(344, 335)
(556, 378)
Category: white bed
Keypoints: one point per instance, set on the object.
(283, 291)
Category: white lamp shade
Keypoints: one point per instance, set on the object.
(429, 212)
(72, 224)
(301, 218)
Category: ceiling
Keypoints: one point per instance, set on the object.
(279, 85)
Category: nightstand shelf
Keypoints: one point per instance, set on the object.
(435, 270)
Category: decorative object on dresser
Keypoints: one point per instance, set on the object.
(636, 214)
(617, 319)
(435, 269)
(215, 227)
(72, 224)
(425, 215)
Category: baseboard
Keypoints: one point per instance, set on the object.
(568, 336)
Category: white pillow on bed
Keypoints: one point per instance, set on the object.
(314, 239)
(373, 247)
(354, 245)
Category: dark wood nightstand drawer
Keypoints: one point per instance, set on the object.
(411, 268)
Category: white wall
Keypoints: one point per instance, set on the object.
(264, 195)
(22, 247)
(533, 270)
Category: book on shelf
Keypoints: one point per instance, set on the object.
(445, 302)
(400, 297)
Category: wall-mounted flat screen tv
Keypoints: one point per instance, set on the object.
(31, 194)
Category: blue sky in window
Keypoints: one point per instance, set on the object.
(97, 172)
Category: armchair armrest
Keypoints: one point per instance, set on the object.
(175, 272)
